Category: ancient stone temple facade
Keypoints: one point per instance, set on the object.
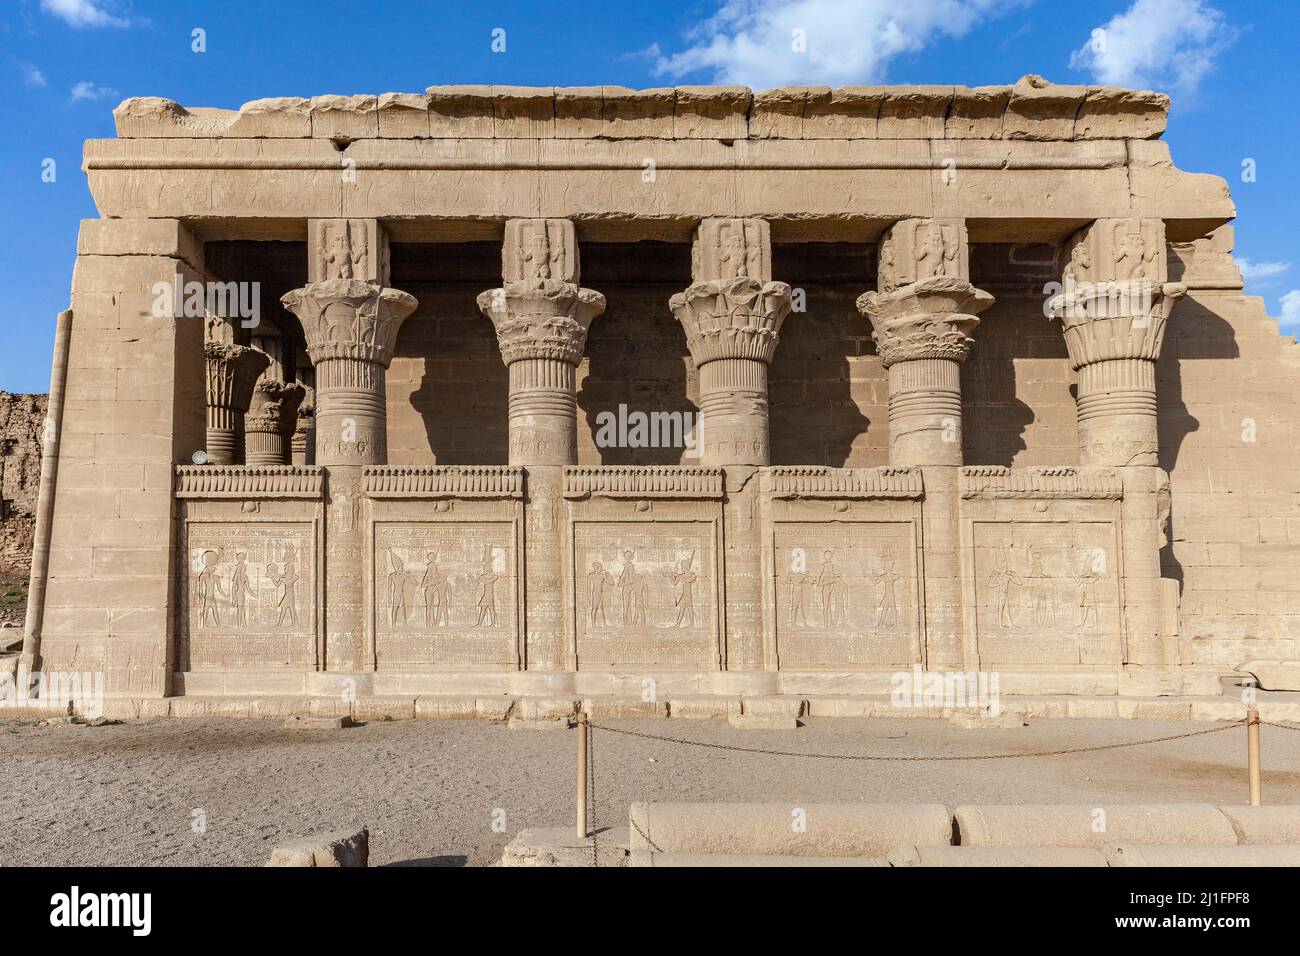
(499, 392)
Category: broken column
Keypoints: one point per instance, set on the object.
(271, 421)
(350, 319)
(732, 315)
(541, 315)
(231, 372)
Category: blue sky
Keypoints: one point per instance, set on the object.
(1230, 66)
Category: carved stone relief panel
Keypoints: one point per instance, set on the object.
(249, 595)
(1046, 593)
(446, 594)
(645, 594)
(846, 594)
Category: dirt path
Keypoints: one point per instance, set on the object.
(132, 794)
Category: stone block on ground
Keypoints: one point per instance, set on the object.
(341, 848)
(1018, 856)
(762, 722)
(788, 829)
(1264, 825)
(649, 858)
(561, 846)
(1274, 675)
(1129, 854)
(1083, 825)
(318, 723)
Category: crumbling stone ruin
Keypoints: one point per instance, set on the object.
(22, 420)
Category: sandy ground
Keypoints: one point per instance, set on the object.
(431, 790)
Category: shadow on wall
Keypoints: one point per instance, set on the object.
(1195, 331)
(636, 358)
(826, 386)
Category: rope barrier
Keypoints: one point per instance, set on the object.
(917, 759)
(588, 728)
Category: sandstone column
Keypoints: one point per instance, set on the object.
(922, 318)
(232, 371)
(270, 424)
(1115, 301)
(541, 315)
(350, 320)
(732, 314)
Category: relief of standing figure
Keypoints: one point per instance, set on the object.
(684, 581)
(287, 598)
(207, 588)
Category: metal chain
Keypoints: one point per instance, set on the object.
(912, 759)
(642, 834)
(1271, 723)
(591, 788)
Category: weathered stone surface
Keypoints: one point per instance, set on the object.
(1265, 825)
(1018, 856)
(1130, 854)
(828, 829)
(341, 848)
(1085, 826)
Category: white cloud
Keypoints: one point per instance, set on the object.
(86, 90)
(1260, 271)
(31, 75)
(86, 13)
(757, 42)
(1171, 44)
(1290, 316)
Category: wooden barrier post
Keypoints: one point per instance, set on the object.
(1252, 754)
(582, 775)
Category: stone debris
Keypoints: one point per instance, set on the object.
(341, 848)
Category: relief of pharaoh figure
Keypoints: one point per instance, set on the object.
(1086, 584)
(598, 579)
(287, 599)
(437, 594)
(1001, 580)
(684, 600)
(828, 587)
(887, 603)
(399, 585)
(487, 593)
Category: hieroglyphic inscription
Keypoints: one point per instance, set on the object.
(250, 593)
(645, 593)
(445, 594)
(1046, 592)
(846, 594)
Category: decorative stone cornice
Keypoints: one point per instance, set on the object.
(732, 318)
(350, 319)
(541, 318)
(998, 481)
(443, 481)
(929, 319)
(1033, 109)
(239, 481)
(642, 481)
(232, 371)
(816, 481)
